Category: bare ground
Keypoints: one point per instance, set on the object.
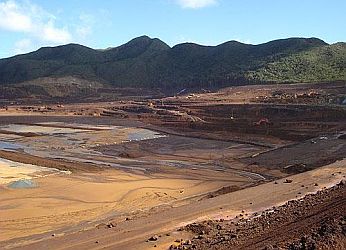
(254, 131)
(316, 221)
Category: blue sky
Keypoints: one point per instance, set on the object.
(27, 25)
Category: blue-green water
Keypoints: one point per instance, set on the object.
(22, 184)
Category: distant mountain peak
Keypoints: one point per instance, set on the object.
(316, 40)
(146, 41)
(146, 61)
(136, 47)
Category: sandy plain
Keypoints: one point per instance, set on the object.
(104, 182)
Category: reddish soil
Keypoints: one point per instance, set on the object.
(255, 114)
(317, 221)
(294, 129)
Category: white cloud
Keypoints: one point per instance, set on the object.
(84, 28)
(23, 46)
(50, 33)
(83, 31)
(195, 4)
(13, 19)
(38, 27)
(86, 18)
(32, 20)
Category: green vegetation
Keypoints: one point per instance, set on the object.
(146, 62)
(327, 63)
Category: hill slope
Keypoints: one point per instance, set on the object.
(325, 63)
(147, 62)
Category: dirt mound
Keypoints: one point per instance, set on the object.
(317, 221)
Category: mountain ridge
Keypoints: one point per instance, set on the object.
(149, 62)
